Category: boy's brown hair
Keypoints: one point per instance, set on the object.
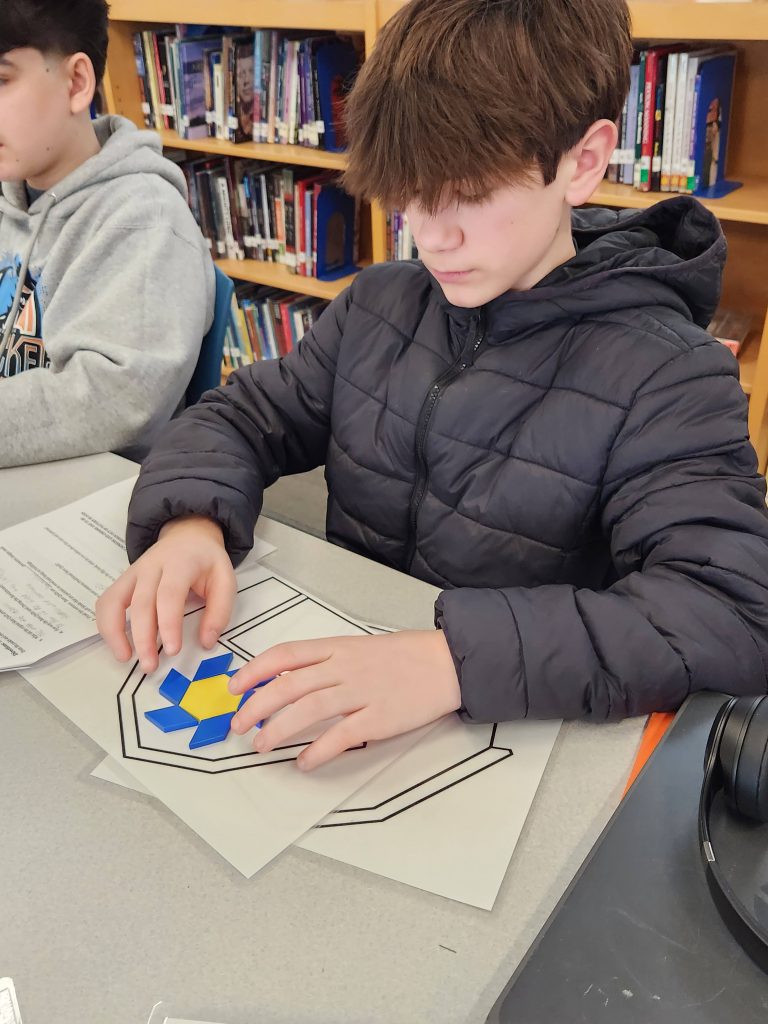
(474, 94)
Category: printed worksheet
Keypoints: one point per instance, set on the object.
(54, 567)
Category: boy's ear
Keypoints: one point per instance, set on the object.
(588, 161)
(82, 82)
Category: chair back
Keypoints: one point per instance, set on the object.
(207, 373)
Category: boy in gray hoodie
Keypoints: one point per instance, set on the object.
(106, 284)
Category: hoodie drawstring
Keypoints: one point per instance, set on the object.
(45, 207)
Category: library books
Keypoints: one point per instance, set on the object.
(263, 86)
(673, 131)
(266, 323)
(400, 242)
(294, 216)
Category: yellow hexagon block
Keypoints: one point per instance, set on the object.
(207, 698)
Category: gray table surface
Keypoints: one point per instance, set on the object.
(110, 903)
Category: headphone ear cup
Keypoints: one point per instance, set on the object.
(751, 790)
(737, 714)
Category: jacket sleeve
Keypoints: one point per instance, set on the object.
(216, 459)
(122, 331)
(684, 512)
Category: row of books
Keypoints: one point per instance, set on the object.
(400, 243)
(249, 209)
(673, 132)
(263, 86)
(266, 323)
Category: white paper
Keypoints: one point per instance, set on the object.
(445, 817)
(248, 806)
(54, 567)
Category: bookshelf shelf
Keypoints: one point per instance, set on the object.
(277, 276)
(672, 19)
(748, 205)
(675, 19)
(306, 156)
(338, 15)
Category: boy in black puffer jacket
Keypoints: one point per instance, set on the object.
(532, 416)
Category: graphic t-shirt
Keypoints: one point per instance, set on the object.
(26, 350)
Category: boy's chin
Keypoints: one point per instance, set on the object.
(468, 296)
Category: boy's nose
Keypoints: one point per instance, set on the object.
(437, 235)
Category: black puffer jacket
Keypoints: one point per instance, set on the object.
(570, 463)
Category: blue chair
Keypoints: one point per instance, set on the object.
(207, 373)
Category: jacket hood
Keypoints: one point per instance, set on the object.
(124, 150)
(672, 253)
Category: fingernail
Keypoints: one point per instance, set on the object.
(301, 763)
(234, 725)
(258, 744)
(210, 638)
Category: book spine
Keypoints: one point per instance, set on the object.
(274, 74)
(658, 128)
(225, 213)
(670, 97)
(640, 117)
(138, 55)
(649, 109)
(149, 48)
(298, 206)
(289, 217)
(685, 141)
(677, 139)
(690, 181)
(163, 118)
(257, 86)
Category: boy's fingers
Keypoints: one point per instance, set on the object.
(220, 591)
(301, 716)
(110, 615)
(349, 732)
(171, 598)
(144, 619)
(281, 658)
(277, 694)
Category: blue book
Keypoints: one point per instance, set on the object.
(628, 169)
(336, 63)
(193, 54)
(335, 217)
(711, 121)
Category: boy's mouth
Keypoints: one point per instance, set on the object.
(449, 276)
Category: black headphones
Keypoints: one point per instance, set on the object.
(736, 761)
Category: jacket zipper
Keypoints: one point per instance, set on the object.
(435, 393)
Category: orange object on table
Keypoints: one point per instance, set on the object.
(655, 727)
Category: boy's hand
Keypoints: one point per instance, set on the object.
(380, 685)
(188, 555)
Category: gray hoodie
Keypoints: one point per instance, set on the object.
(106, 291)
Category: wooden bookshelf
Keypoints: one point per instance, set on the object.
(337, 15)
(744, 213)
(306, 156)
(275, 275)
(748, 204)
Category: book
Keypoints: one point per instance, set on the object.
(244, 90)
(670, 98)
(642, 61)
(144, 90)
(335, 232)
(336, 62)
(658, 126)
(712, 121)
